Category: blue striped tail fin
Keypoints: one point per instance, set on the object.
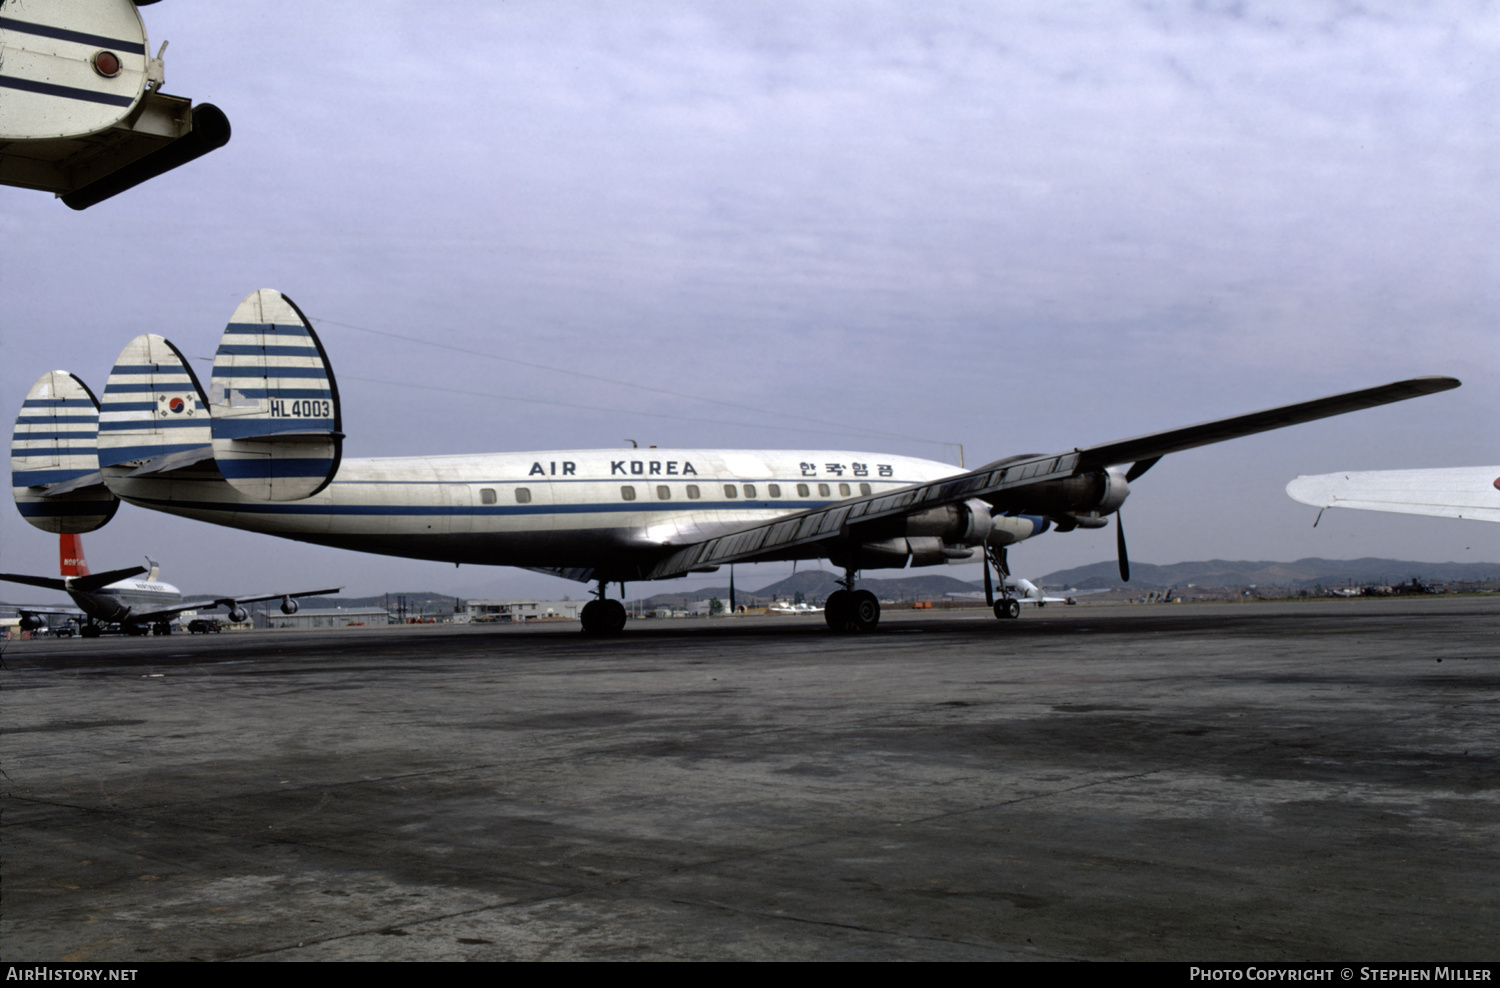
(154, 415)
(54, 461)
(274, 404)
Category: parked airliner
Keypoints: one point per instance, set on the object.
(138, 606)
(262, 450)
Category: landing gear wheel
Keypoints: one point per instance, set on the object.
(1007, 608)
(602, 618)
(864, 612)
(835, 608)
(89, 631)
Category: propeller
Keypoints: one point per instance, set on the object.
(1120, 547)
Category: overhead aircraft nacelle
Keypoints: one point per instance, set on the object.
(288, 606)
(33, 622)
(238, 615)
(1082, 500)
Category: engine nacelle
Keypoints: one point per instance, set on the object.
(1010, 529)
(33, 622)
(964, 524)
(238, 614)
(288, 605)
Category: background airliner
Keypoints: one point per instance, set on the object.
(262, 450)
(139, 606)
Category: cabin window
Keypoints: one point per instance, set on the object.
(729, 490)
(843, 490)
(749, 490)
(802, 490)
(823, 491)
(692, 492)
(864, 488)
(486, 495)
(663, 492)
(523, 496)
(773, 489)
(627, 492)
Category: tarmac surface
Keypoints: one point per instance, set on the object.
(1263, 781)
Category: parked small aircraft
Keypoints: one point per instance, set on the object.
(118, 597)
(263, 450)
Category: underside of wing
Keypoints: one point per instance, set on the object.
(1454, 492)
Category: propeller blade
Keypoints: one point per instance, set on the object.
(989, 588)
(1120, 548)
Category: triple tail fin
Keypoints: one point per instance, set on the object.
(54, 458)
(274, 405)
(154, 416)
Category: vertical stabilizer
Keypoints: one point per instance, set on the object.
(153, 409)
(54, 461)
(274, 404)
(70, 556)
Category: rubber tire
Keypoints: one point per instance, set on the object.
(864, 612)
(1007, 608)
(835, 609)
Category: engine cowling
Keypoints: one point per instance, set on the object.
(238, 614)
(288, 605)
(33, 622)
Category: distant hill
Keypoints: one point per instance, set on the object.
(1244, 573)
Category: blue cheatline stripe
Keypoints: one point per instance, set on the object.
(66, 34)
(252, 428)
(22, 454)
(58, 403)
(265, 329)
(71, 434)
(283, 392)
(154, 423)
(62, 509)
(272, 350)
(66, 92)
(419, 510)
(269, 371)
(36, 478)
(265, 468)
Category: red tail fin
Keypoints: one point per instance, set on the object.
(70, 556)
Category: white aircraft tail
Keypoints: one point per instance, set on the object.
(273, 402)
(54, 461)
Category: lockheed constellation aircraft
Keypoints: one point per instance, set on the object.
(1446, 492)
(118, 597)
(262, 450)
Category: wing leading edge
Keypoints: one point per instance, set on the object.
(1450, 492)
(994, 482)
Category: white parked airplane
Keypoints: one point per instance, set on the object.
(262, 450)
(1450, 492)
(117, 597)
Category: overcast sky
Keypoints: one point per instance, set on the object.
(1016, 226)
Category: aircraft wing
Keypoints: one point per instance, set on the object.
(227, 602)
(1005, 482)
(1453, 492)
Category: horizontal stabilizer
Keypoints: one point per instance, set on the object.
(153, 409)
(96, 581)
(54, 461)
(274, 404)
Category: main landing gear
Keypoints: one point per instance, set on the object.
(849, 611)
(602, 617)
(1007, 607)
